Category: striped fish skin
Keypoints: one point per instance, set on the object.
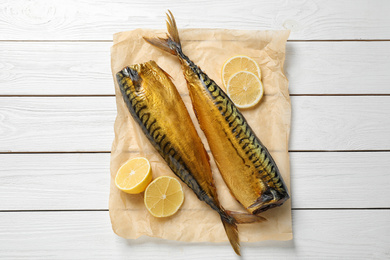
(157, 107)
(244, 162)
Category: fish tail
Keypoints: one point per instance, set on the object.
(230, 219)
(170, 44)
(231, 230)
(245, 218)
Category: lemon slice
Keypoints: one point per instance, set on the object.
(245, 89)
(164, 196)
(239, 63)
(133, 176)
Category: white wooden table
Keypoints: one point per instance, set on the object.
(57, 110)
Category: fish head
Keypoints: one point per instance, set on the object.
(269, 199)
(147, 81)
(151, 73)
(129, 80)
(145, 77)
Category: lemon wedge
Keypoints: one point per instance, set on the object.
(164, 196)
(134, 176)
(245, 89)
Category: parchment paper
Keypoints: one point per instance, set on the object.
(270, 119)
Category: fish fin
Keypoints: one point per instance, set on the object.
(232, 234)
(172, 43)
(172, 28)
(245, 218)
(166, 73)
(265, 198)
(161, 43)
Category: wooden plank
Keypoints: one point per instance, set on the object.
(54, 181)
(57, 124)
(91, 20)
(344, 234)
(83, 68)
(55, 68)
(86, 123)
(338, 67)
(340, 180)
(81, 181)
(340, 123)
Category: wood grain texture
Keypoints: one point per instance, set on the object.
(86, 123)
(83, 68)
(98, 20)
(344, 234)
(30, 65)
(81, 181)
(338, 67)
(55, 68)
(54, 181)
(340, 123)
(340, 180)
(57, 124)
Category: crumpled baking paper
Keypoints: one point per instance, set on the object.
(270, 119)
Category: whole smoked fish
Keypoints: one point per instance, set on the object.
(157, 107)
(244, 162)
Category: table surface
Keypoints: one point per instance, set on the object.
(57, 110)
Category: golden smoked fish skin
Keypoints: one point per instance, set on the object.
(157, 107)
(245, 164)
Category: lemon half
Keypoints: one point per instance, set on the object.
(164, 196)
(134, 175)
(245, 89)
(239, 63)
